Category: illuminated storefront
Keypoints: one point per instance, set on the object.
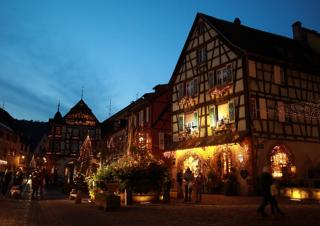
(216, 162)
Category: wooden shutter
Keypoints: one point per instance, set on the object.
(252, 68)
(263, 108)
(277, 74)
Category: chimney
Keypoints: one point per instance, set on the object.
(237, 21)
(297, 31)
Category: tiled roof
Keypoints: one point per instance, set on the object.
(260, 43)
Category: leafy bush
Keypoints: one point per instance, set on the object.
(137, 172)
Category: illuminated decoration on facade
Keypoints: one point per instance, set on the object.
(306, 110)
(220, 91)
(143, 140)
(187, 102)
(193, 163)
(281, 162)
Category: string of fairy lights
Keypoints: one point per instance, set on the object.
(306, 110)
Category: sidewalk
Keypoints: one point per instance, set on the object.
(220, 199)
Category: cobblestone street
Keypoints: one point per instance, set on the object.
(230, 211)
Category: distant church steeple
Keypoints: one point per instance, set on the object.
(59, 106)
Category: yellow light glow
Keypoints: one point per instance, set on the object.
(208, 151)
(144, 198)
(296, 194)
(223, 110)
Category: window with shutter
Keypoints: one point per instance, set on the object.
(263, 108)
(252, 69)
(277, 74)
(224, 75)
(201, 55)
(180, 91)
(231, 111)
(181, 122)
(211, 79)
(213, 116)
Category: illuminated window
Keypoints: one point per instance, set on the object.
(226, 112)
(191, 121)
(281, 162)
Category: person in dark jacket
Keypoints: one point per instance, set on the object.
(6, 181)
(266, 182)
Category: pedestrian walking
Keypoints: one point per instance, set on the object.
(6, 182)
(179, 178)
(35, 184)
(274, 202)
(166, 189)
(198, 187)
(266, 182)
(188, 179)
(41, 181)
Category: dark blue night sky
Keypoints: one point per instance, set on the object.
(115, 50)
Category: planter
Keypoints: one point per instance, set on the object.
(107, 201)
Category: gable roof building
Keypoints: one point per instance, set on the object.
(66, 136)
(244, 98)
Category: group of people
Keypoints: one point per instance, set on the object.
(269, 189)
(21, 179)
(192, 183)
(10, 178)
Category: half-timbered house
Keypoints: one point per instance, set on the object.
(243, 99)
(66, 137)
(144, 125)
